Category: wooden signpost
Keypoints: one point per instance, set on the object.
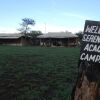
(88, 81)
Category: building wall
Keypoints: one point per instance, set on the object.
(25, 41)
(10, 41)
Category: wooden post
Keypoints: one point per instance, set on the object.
(87, 86)
(88, 82)
(68, 42)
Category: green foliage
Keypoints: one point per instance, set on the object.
(34, 34)
(35, 73)
(80, 35)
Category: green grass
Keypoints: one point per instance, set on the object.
(37, 73)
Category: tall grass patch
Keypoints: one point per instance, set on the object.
(37, 73)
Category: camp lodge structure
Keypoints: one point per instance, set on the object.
(14, 39)
(58, 39)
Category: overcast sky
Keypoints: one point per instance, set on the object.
(50, 15)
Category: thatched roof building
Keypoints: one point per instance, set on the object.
(14, 39)
(58, 35)
(58, 39)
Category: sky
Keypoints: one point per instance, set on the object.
(49, 15)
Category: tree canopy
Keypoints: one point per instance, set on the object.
(25, 25)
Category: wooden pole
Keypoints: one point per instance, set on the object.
(88, 82)
(87, 86)
(68, 42)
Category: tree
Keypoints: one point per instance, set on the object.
(80, 35)
(25, 25)
(33, 35)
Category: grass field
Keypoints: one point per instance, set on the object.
(37, 73)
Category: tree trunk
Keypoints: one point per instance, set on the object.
(88, 82)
